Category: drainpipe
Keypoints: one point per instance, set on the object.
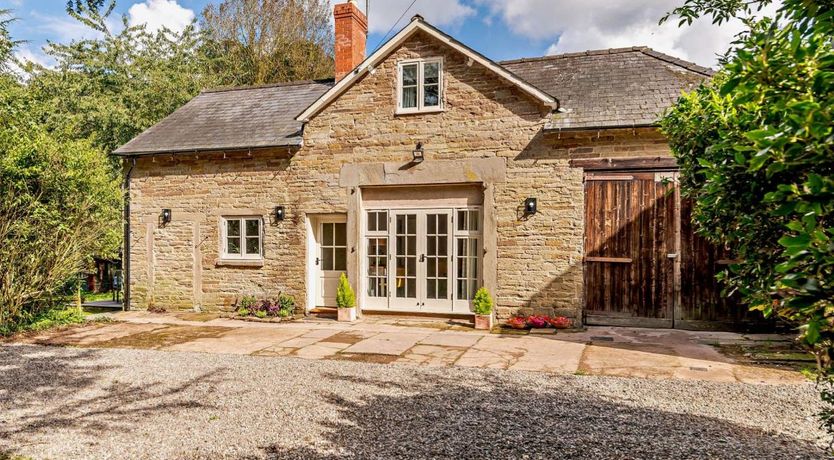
(126, 237)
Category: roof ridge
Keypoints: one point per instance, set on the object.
(595, 52)
(679, 62)
(642, 49)
(222, 89)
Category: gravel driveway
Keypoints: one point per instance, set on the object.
(113, 403)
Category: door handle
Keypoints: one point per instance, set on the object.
(317, 260)
(422, 257)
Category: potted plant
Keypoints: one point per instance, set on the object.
(560, 322)
(482, 305)
(345, 300)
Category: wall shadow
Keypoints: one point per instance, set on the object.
(500, 419)
(36, 376)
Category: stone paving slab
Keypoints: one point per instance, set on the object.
(605, 351)
(387, 343)
(432, 355)
(239, 341)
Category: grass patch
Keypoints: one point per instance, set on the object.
(56, 317)
(96, 296)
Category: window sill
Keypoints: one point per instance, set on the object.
(399, 112)
(239, 263)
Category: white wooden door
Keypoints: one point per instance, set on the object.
(331, 261)
(422, 260)
(435, 260)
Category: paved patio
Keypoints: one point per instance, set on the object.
(605, 351)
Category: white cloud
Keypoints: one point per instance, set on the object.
(442, 13)
(64, 28)
(593, 24)
(156, 14)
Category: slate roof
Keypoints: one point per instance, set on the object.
(618, 87)
(233, 118)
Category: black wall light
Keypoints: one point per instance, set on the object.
(166, 216)
(530, 206)
(279, 213)
(418, 153)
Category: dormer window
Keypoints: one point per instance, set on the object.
(420, 86)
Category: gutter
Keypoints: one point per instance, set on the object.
(148, 153)
(126, 236)
(554, 129)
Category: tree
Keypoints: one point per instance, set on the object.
(270, 41)
(756, 148)
(6, 43)
(112, 88)
(58, 201)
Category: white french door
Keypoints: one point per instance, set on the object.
(331, 260)
(410, 261)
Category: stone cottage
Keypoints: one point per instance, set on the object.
(425, 171)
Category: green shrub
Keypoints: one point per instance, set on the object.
(61, 316)
(247, 302)
(482, 303)
(284, 313)
(286, 303)
(260, 313)
(243, 312)
(345, 298)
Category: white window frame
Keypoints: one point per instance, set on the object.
(243, 254)
(468, 234)
(420, 86)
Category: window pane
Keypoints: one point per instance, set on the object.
(462, 220)
(431, 73)
(326, 259)
(233, 245)
(232, 228)
(430, 289)
(410, 97)
(371, 221)
(382, 221)
(341, 234)
(253, 227)
(473, 221)
(253, 245)
(409, 74)
(341, 259)
(431, 96)
(327, 234)
(441, 289)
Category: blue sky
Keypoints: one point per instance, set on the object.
(500, 29)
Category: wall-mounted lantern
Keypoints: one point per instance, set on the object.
(418, 153)
(530, 206)
(279, 213)
(166, 216)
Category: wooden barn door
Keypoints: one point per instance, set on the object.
(631, 248)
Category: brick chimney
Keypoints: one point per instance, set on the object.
(351, 35)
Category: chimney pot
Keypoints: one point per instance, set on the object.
(351, 37)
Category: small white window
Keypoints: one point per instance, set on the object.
(420, 86)
(242, 238)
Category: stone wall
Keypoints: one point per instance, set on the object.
(539, 259)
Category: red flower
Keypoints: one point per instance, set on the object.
(517, 322)
(537, 322)
(560, 322)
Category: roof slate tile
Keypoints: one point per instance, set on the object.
(233, 118)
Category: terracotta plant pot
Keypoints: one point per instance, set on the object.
(347, 314)
(483, 322)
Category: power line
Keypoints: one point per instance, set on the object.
(382, 40)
